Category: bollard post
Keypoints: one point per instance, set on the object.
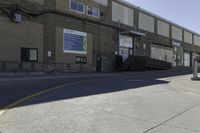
(195, 68)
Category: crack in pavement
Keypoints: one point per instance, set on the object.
(194, 106)
(188, 129)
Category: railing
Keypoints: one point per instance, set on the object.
(141, 63)
(196, 61)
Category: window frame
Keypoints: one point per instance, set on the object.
(70, 6)
(28, 60)
(92, 10)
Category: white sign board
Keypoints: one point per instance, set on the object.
(176, 44)
(49, 53)
(126, 41)
(74, 41)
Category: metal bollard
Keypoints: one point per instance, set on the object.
(196, 60)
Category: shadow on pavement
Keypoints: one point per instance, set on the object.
(94, 88)
(15, 90)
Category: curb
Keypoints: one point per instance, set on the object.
(182, 87)
(16, 103)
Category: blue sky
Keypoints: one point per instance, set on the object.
(183, 12)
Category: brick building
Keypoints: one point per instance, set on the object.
(86, 35)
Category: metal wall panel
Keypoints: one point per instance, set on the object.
(102, 2)
(187, 37)
(176, 33)
(187, 59)
(161, 53)
(162, 28)
(146, 22)
(196, 40)
(122, 14)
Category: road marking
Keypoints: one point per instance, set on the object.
(132, 80)
(12, 105)
(54, 77)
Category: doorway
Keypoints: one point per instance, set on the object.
(99, 64)
(125, 52)
(126, 46)
(178, 56)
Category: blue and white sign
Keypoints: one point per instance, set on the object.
(74, 41)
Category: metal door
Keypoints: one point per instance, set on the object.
(125, 52)
(187, 59)
(178, 56)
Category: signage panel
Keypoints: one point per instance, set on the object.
(74, 42)
(126, 41)
(176, 44)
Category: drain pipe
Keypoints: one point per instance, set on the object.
(119, 33)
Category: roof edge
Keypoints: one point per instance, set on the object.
(131, 5)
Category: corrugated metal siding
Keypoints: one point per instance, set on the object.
(146, 22)
(161, 53)
(187, 59)
(177, 33)
(196, 40)
(163, 28)
(122, 13)
(187, 37)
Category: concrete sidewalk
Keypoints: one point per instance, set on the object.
(184, 83)
(117, 106)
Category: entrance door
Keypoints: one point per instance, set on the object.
(125, 52)
(187, 59)
(98, 64)
(178, 56)
(126, 46)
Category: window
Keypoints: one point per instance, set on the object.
(29, 54)
(77, 6)
(92, 11)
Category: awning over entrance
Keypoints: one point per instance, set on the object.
(132, 33)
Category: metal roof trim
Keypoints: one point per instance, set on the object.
(131, 5)
(133, 32)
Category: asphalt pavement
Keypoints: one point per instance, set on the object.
(133, 102)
